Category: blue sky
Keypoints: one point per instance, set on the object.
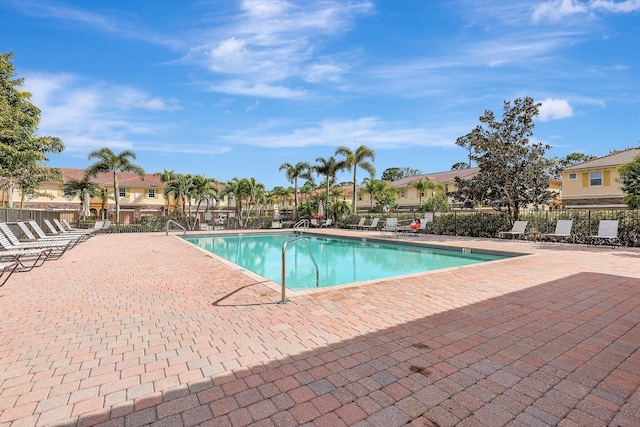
(234, 88)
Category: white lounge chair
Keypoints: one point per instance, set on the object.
(55, 249)
(14, 241)
(391, 225)
(358, 225)
(562, 231)
(518, 230)
(6, 270)
(327, 223)
(373, 225)
(607, 233)
(32, 238)
(413, 231)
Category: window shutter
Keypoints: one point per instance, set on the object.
(585, 179)
(606, 178)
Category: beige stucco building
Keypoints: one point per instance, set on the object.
(593, 184)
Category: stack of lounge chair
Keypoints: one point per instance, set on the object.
(26, 245)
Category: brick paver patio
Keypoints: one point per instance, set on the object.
(144, 329)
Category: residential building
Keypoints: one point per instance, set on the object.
(593, 184)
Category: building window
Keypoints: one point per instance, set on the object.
(403, 194)
(122, 192)
(573, 176)
(152, 193)
(595, 179)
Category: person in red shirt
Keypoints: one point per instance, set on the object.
(415, 225)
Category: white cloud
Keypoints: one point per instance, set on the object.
(89, 115)
(370, 131)
(275, 40)
(554, 108)
(555, 10)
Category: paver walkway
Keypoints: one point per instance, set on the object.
(143, 329)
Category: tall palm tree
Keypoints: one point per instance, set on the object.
(80, 188)
(355, 160)
(108, 161)
(179, 188)
(328, 168)
(293, 172)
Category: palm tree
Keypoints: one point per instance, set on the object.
(166, 176)
(374, 187)
(299, 170)
(328, 168)
(108, 161)
(103, 194)
(179, 187)
(80, 188)
(421, 185)
(357, 160)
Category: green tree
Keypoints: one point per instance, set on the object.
(394, 174)
(355, 160)
(165, 177)
(459, 166)
(513, 171)
(22, 152)
(465, 142)
(109, 162)
(630, 180)
(82, 189)
(328, 168)
(293, 172)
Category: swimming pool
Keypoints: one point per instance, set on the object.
(340, 260)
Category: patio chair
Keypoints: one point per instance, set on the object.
(373, 225)
(518, 230)
(562, 231)
(391, 225)
(358, 225)
(314, 222)
(6, 270)
(607, 233)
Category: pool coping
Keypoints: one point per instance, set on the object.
(509, 256)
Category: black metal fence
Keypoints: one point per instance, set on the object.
(489, 224)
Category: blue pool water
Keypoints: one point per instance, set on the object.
(339, 260)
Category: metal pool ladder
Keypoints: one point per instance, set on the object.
(284, 299)
(303, 223)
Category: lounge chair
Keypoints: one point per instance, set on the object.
(58, 248)
(391, 225)
(27, 259)
(327, 223)
(6, 270)
(607, 233)
(413, 231)
(13, 239)
(373, 225)
(314, 222)
(64, 231)
(562, 232)
(518, 230)
(97, 226)
(55, 231)
(32, 238)
(358, 225)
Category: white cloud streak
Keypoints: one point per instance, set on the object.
(556, 10)
(271, 41)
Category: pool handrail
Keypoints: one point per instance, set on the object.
(303, 223)
(184, 230)
(284, 299)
